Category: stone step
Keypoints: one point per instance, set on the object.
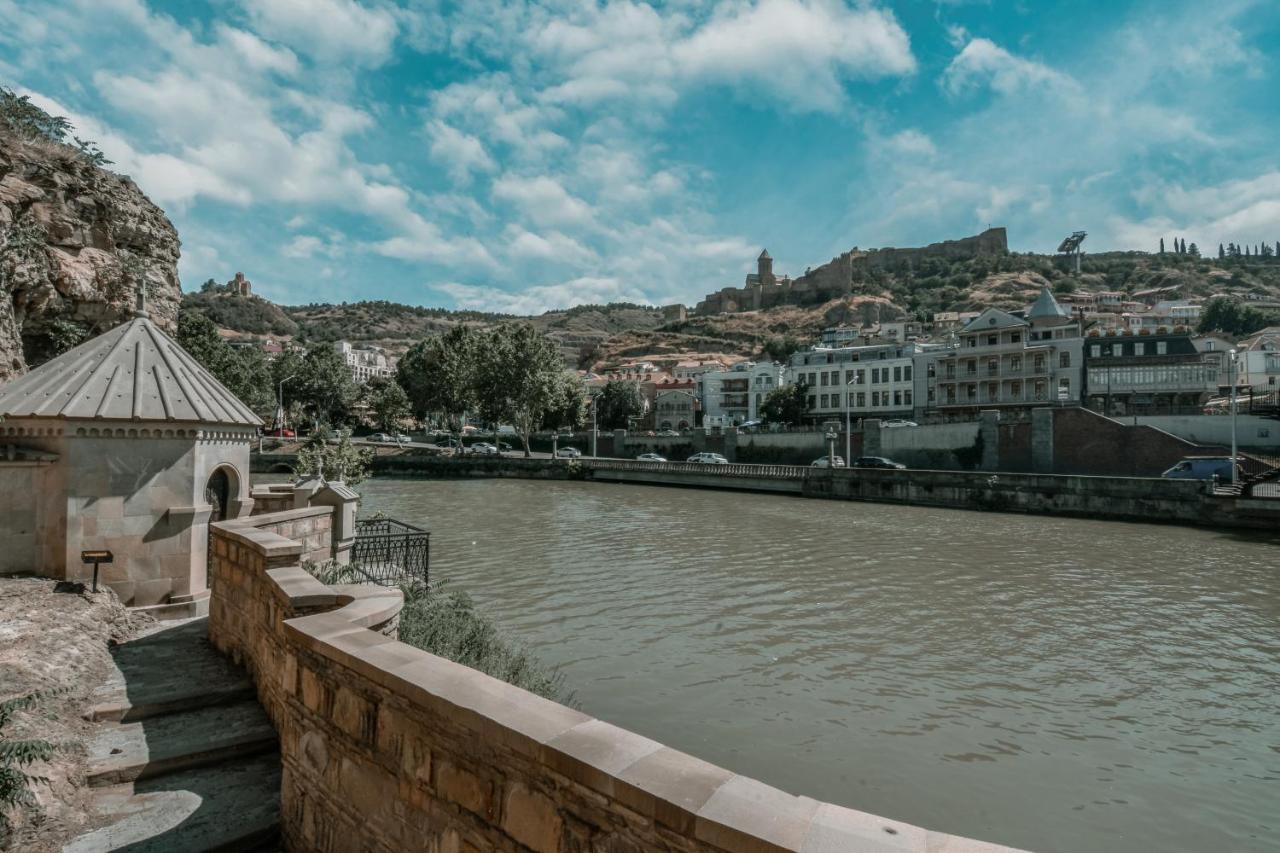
(125, 752)
(171, 669)
(228, 807)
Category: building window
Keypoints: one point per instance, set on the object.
(1208, 346)
(1095, 351)
(824, 396)
(1016, 338)
(897, 374)
(862, 399)
(875, 398)
(906, 398)
(897, 398)
(906, 373)
(813, 401)
(1039, 363)
(971, 342)
(861, 377)
(848, 377)
(824, 380)
(931, 370)
(1064, 359)
(1117, 349)
(1140, 348)
(1162, 348)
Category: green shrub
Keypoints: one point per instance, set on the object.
(17, 754)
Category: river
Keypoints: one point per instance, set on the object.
(1053, 684)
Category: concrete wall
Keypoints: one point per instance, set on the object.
(1253, 432)
(928, 445)
(1088, 443)
(386, 747)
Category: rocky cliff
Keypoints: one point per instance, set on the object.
(76, 240)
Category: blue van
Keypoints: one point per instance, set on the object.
(1203, 468)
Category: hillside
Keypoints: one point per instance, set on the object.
(76, 241)
(603, 335)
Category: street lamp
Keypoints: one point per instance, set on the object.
(280, 401)
(848, 419)
(1233, 374)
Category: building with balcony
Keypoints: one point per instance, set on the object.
(1259, 363)
(1148, 374)
(676, 405)
(735, 395)
(365, 362)
(877, 380)
(1002, 360)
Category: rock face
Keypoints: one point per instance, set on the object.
(76, 241)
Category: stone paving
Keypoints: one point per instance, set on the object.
(183, 757)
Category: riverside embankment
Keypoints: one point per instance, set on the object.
(1145, 499)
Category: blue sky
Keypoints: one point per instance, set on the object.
(515, 156)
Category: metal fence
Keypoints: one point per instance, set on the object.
(391, 552)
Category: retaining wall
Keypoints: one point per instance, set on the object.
(386, 747)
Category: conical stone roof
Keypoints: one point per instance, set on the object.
(133, 372)
(1046, 306)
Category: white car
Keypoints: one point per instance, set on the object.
(708, 459)
(568, 453)
(483, 448)
(828, 462)
(898, 422)
(380, 438)
(650, 457)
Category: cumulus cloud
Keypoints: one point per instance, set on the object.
(326, 29)
(542, 199)
(460, 153)
(586, 290)
(982, 62)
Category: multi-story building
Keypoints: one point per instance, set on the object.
(861, 382)
(1148, 374)
(365, 362)
(1002, 360)
(1259, 361)
(676, 405)
(734, 396)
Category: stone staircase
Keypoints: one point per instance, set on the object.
(183, 757)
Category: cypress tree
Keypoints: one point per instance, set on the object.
(1221, 254)
(1162, 245)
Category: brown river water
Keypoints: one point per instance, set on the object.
(1053, 684)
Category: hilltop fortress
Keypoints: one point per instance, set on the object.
(837, 278)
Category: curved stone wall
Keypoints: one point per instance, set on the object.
(386, 747)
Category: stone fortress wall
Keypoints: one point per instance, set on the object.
(839, 276)
(386, 747)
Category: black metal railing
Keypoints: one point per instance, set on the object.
(390, 552)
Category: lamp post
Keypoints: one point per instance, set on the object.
(594, 430)
(848, 420)
(1233, 374)
(280, 401)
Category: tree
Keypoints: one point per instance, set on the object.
(245, 372)
(570, 409)
(1162, 245)
(616, 402)
(325, 386)
(518, 378)
(387, 402)
(1221, 253)
(1194, 251)
(781, 347)
(1230, 317)
(438, 375)
(786, 404)
(335, 460)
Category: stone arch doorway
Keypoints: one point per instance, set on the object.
(217, 494)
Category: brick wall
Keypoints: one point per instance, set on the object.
(386, 747)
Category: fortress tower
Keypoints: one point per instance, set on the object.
(764, 269)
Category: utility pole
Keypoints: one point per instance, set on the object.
(848, 422)
(1234, 373)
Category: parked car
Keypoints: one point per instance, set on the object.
(402, 438)
(503, 446)
(898, 422)
(568, 453)
(483, 448)
(1203, 468)
(708, 459)
(828, 462)
(668, 433)
(280, 433)
(878, 462)
(651, 457)
(379, 437)
(448, 441)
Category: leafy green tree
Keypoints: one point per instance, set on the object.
(616, 402)
(570, 409)
(245, 372)
(333, 457)
(786, 404)
(438, 374)
(1221, 252)
(387, 402)
(518, 378)
(1162, 245)
(1230, 317)
(1194, 251)
(325, 387)
(780, 348)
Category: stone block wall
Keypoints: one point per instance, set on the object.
(387, 748)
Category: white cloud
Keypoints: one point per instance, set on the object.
(982, 62)
(255, 53)
(543, 199)
(553, 246)
(461, 153)
(586, 290)
(328, 30)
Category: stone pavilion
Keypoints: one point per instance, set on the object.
(124, 443)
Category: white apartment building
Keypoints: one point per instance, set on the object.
(365, 362)
(734, 396)
(874, 381)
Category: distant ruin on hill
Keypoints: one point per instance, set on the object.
(838, 278)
